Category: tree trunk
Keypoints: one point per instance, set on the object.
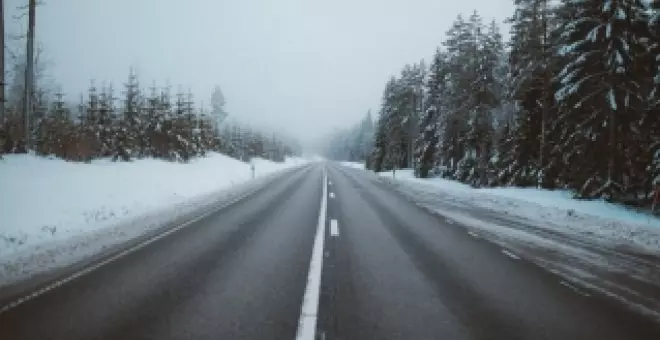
(2, 61)
(29, 74)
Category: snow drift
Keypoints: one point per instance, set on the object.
(73, 210)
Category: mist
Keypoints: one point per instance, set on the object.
(300, 66)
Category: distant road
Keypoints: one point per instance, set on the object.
(382, 268)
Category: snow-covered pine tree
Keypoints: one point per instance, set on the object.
(106, 120)
(379, 159)
(181, 129)
(531, 64)
(93, 123)
(168, 145)
(601, 91)
(650, 123)
(487, 97)
(365, 138)
(193, 120)
(128, 134)
(459, 48)
(218, 110)
(430, 124)
(58, 131)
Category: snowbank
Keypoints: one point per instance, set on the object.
(45, 200)
(354, 165)
(551, 209)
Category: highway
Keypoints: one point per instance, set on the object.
(320, 252)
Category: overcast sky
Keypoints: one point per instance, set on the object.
(304, 65)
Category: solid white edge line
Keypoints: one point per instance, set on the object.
(115, 257)
(309, 310)
(510, 254)
(334, 228)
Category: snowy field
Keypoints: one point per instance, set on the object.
(54, 212)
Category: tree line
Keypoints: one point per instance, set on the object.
(136, 124)
(353, 144)
(572, 101)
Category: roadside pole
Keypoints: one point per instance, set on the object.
(656, 197)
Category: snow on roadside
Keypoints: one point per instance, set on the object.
(354, 165)
(553, 210)
(73, 210)
(599, 246)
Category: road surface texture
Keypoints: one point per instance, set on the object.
(387, 269)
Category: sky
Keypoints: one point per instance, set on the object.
(301, 66)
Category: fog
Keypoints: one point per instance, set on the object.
(302, 66)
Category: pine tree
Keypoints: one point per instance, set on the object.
(181, 132)
(380, 157)
(128, 134)
(601, 82)
(93, 128)
(460, 49)
(430, 127)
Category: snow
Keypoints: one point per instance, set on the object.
(600, 246)
(354, 165)
(77, 209)
(554, 209)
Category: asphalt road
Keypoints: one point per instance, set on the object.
(388, 270)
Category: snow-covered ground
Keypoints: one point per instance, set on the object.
(353, 165)
(54, 212)
(594, 244)
(555, 210)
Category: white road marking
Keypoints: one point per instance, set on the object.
(473, 234)
(573, 288)
(112, 258)
(510, 254)
(329, 182)
(309, 311)
(332, 195)
(334, 228)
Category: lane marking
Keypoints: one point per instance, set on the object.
(309, 311)
(573, 288)
(117, 256)
(334, 228)
(510, 254)
(473, 234)
(332, 195)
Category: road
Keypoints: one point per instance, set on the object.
(381, 268)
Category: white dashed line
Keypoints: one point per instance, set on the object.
(309, 311)
(510, 254)
(573, 288)
(334, 228)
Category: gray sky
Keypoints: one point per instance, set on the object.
(304, 65)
